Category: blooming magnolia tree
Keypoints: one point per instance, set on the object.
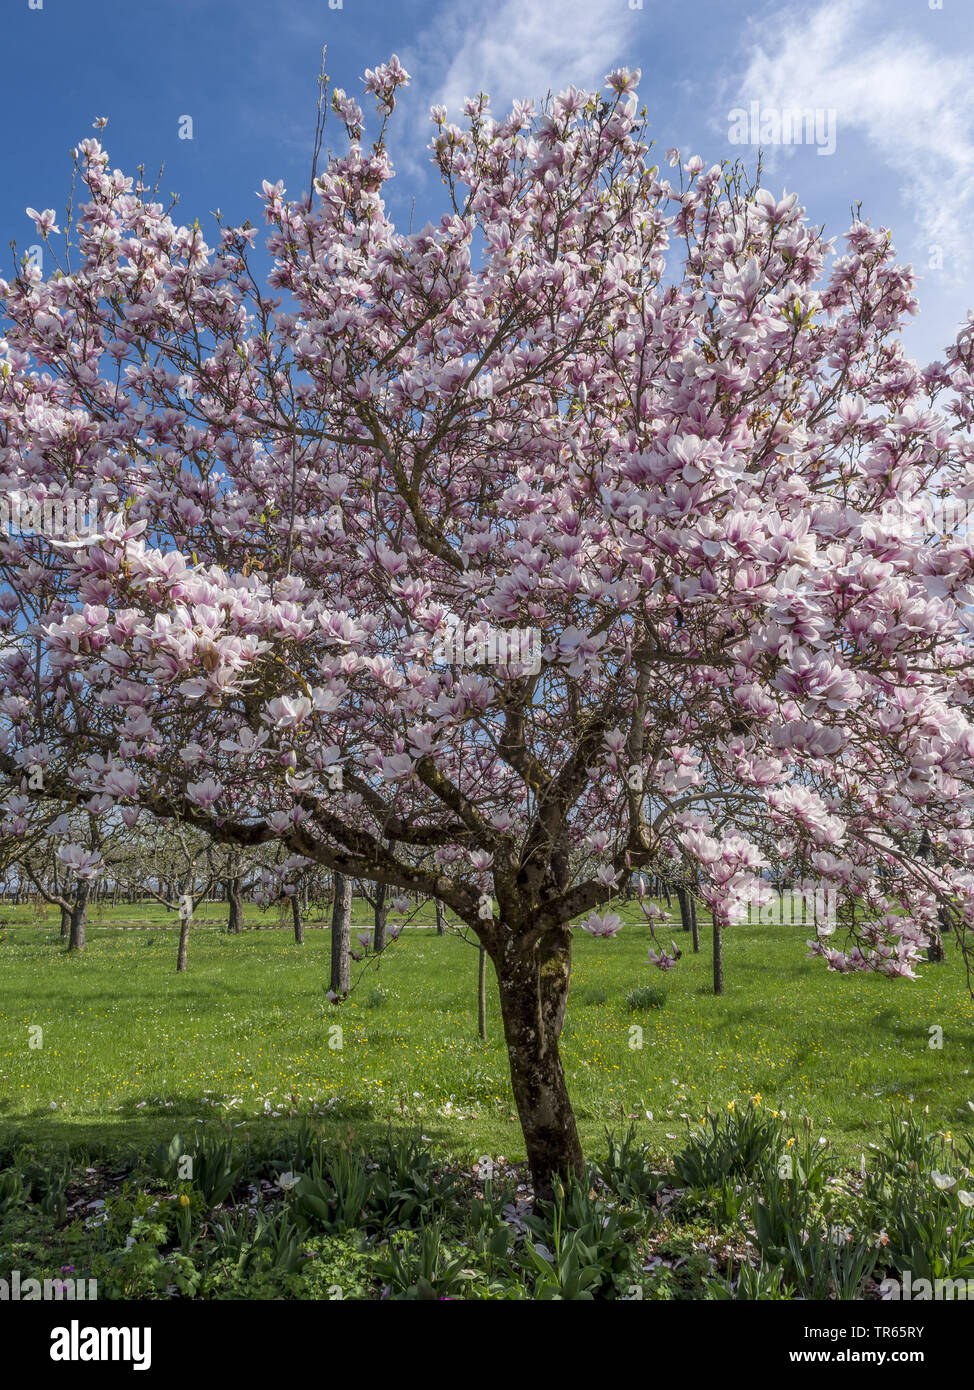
(664, 426)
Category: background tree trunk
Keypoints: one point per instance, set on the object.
(481, 991)
(681, 897)
(182, 954)
(440, 918)
(718, 954)
(693, 925)
(341, 937)
(380, 913)
(298, 919)
(65, 924)
(935, 950)
(235, 901)
(79, 918)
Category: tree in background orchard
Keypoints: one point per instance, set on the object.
(662, 423)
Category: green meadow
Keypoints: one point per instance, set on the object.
(129, 1052)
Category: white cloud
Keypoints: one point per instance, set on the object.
(912, 104)
(515, 49)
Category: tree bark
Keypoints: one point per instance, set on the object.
(533, 985)
(341, 937)
(936, 951)
(481, 991)
(65, 924)
(718, 954)
(235, 901)
(297, 919)
(380, 913)
(681, 897)
(77, 930)
(182, 954)
(440, 918)
(693, 925)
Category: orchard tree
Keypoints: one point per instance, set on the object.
(36, 843)
(656, 421)
(184, 876)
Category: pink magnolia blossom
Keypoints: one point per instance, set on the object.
(672, 444)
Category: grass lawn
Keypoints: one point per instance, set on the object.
(132, 1052)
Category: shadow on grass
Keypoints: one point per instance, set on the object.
(132, 1138)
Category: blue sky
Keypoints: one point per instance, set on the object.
(892, 81)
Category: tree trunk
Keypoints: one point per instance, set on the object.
(693, 925)
(79, 918)
(235, 901)
(440, 918)
(65, 923)
(682, 899)
(533, 989)
(481, 992)
(935, 948)
(298, 919)
(936, 951)
(718, 954)
(379, 915)
(341, 937)
(182, 955)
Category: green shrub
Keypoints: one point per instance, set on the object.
(578, 1245)
(645, 997)
(735, 1143)
(419, 1265)
(11, 1190)
(213, 1168)
(915, 1189)
(593, 995)
(626, 1169)
(764, 1282)
(826, 1261)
